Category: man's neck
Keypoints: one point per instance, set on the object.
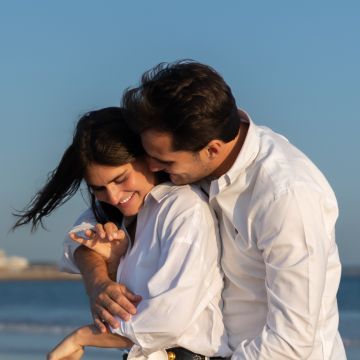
(231, 151)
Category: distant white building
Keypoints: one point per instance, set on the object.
(12, 262)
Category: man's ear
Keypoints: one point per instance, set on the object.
(214, 148)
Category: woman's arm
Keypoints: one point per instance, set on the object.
(89, 335)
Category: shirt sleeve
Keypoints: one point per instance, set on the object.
(187, 279)
(67, 262)
(295, 236)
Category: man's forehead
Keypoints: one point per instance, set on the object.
(158, 145)
(157, 141)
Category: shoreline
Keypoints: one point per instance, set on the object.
(37, 272)
(351, 271)
(51, 272)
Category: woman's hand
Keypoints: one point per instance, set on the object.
(72, 347)
(107, 240)
(68, 349)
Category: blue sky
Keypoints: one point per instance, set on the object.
(294, 66)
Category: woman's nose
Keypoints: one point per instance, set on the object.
(113, 194)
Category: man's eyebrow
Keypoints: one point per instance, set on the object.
(162, 161)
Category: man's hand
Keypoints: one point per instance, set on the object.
(108, 299)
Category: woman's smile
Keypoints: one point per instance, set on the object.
(126, 200)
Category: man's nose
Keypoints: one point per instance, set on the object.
(155, 165)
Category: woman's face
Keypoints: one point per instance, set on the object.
(124, 186)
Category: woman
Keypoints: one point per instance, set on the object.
(172, 257)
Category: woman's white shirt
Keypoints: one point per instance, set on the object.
(174, 265)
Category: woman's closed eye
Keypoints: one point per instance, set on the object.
(96, 189)
(120, 180)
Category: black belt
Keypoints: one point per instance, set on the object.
(179, 353)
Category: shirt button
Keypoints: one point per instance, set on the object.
(171, 355)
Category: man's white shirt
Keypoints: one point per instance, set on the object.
(277, 214)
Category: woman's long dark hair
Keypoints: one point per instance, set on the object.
(101, 137)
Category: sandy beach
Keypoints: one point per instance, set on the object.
(36, 272)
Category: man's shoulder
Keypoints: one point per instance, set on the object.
(277, 167)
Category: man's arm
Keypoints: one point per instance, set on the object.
(107, 298)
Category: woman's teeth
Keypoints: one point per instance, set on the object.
(127, 199)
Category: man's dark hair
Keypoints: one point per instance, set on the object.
(188, 99)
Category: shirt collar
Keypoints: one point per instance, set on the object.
(160, 192)
(249, 149)
(246, 156)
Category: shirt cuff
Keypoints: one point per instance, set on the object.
(67, 262)
(125, 329)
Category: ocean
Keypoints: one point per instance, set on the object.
(36, 315)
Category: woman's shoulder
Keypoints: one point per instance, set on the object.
(189, 194)
(183, 208)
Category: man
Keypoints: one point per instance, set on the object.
(276, 215)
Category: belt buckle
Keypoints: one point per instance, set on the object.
(183, 354)
(171, 355)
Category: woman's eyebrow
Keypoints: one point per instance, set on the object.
(93, 186)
